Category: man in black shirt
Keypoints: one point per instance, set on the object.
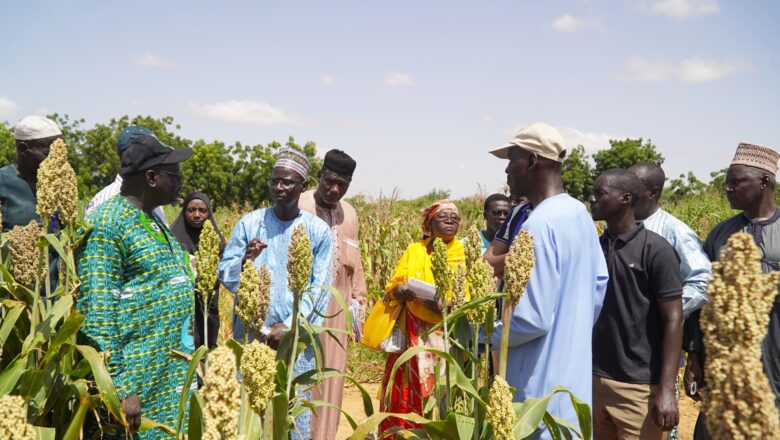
(638, 336)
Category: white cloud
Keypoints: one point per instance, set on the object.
(570, 24)
(572, 137)
(590, 140)
(8, 107)
(680, 9)
(688, 71)
(396, 79)
(697, 70)
(242, 112)
(489, 119)
(327, 80)
(154, 62)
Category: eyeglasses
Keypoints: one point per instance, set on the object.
(175, 176)
(285, 183)
(443, 217)
(499, 212)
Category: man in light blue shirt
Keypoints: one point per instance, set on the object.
(695, 267)
(264, 236)
(551, 328)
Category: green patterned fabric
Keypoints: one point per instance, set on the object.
(137, 295)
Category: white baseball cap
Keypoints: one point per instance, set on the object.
(36, 127)
(540, 138)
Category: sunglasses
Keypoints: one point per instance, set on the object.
(285, 183)
(499, 212)
(175, 176)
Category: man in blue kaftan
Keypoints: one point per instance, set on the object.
(551, 327)
(264, 236)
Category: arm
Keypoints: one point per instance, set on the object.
(533, 316)
(100, 271)
(359, 289)
(495, 255)
(666, 287)
(664, 405)
(232, 259)
(695, 268)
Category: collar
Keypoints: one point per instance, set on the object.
(625, 237)
(765, 222)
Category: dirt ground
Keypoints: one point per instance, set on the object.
(353, 405)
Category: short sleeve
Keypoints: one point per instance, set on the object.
(665, 278)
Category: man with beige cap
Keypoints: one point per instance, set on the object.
(550, 334)
(750, 187)
(33, 136)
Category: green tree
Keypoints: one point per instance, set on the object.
(625, 153)
(7, 145)
(577, 174)
(210, 170)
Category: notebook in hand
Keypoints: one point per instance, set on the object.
(422, 290)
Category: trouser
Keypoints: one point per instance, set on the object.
(622, 411)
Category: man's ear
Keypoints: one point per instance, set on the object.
(655, 193)
(626, 198)
(764, 181)
(149, 176)
(533, 160)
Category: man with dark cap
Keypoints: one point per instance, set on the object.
(326, 202)
(126, 137)
(33, 136)
(136, 288)
(750, 187)
(263, 237)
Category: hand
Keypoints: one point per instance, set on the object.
(693, 374)
(401, 292)
(431, 304)
(253, 249)
(277, 331)
(131, 406)
(664, 410)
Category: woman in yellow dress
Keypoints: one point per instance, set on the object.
(415, 379)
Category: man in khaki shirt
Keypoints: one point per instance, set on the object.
(325, 201)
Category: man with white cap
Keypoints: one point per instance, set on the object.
(552, 324)
(263, 236)
(750, 187)
(33, 135)
(126, 137)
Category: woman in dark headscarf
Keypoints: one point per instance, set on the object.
(195, 211)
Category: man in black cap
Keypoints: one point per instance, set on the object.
(326, 202)
(136, 288)
(126, 138)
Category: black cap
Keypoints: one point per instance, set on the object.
(147, 152)
(339, 162)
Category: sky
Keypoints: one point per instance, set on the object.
(416, 91)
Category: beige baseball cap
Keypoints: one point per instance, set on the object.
(540, 138)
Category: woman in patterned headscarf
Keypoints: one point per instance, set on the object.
(415, 379)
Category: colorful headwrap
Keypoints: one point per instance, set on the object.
(293, 160)
(430, 212)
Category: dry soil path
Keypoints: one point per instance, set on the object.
(353, 405)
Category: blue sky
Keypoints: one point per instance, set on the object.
(416, 91)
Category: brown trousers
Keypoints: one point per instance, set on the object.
(622, 411)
